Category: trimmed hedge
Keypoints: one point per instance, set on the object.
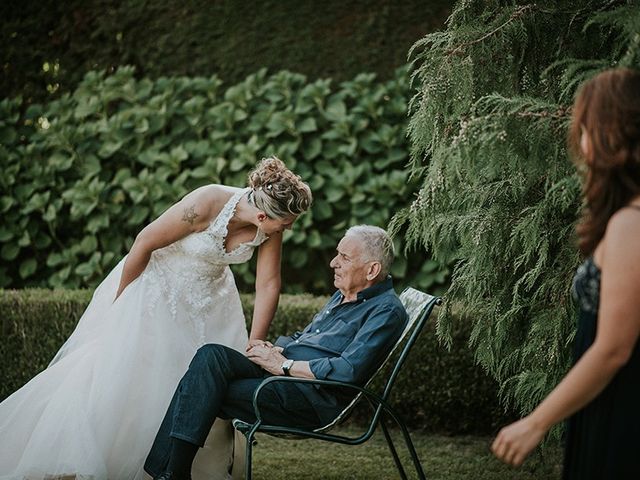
(439, 390)
(83, 174)
(199, 37)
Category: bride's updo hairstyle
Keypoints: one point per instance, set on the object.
(277, 191)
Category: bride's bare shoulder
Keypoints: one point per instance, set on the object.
(211, 198)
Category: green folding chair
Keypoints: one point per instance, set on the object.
(419, 306)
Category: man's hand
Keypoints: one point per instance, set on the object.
(267, 356)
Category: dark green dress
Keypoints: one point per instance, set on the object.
(603, 439)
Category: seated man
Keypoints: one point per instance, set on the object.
(346, 341)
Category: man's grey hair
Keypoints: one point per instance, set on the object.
(377, 246)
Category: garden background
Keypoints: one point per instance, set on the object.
(112, 110)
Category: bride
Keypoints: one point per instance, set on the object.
(93, 413)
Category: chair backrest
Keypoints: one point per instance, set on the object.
(419, 306)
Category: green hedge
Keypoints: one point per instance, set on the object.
(83, 174)
(438, 390)
(199, 37)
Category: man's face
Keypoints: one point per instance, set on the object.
(349, 271)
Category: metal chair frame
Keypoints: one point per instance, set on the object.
(419, 306)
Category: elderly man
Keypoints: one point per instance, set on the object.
(347, 341)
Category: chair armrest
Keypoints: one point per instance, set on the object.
(311, 381)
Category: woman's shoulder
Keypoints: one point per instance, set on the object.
(623, 230)
(212, 198)
(216, 192)
(624, 221)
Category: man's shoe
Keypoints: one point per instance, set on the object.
(171, 476)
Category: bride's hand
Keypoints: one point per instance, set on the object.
(257, 342)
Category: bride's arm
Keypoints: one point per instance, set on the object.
(267, 286)
(191, 214)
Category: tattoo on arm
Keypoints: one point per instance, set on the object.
(190, 215)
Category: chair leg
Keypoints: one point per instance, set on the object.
(408, 442)
(247, 459)
(412, 449)
(394, 453)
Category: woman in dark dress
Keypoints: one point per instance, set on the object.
(601, 393)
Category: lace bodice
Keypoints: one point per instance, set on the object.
(193, 272)
(209, 245)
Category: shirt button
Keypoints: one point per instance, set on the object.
(326, 312)
(317, 330)
(297, 341)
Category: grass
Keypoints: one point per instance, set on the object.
(442, 457)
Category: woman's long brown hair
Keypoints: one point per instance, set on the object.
(607, 109)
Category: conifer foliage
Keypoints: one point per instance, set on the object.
(500, 197)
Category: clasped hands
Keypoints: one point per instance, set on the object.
(266, 355)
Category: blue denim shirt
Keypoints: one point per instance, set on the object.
(348, 341)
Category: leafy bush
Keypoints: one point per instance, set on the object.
(84, 173)
(438, 390)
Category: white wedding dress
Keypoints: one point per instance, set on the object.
(94, 412)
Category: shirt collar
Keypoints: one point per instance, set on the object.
(372, 291)
(367, 293)
(376, 289)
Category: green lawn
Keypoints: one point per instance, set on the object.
(445, 458)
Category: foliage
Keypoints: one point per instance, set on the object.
(83, 174)
(35, 324)
(48, 46)
(438, 390)
(499, 198)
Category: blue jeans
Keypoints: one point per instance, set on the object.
(220, 383)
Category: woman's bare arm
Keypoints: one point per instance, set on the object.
(268, 284)
(191, 214)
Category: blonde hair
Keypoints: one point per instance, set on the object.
(277, 191)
